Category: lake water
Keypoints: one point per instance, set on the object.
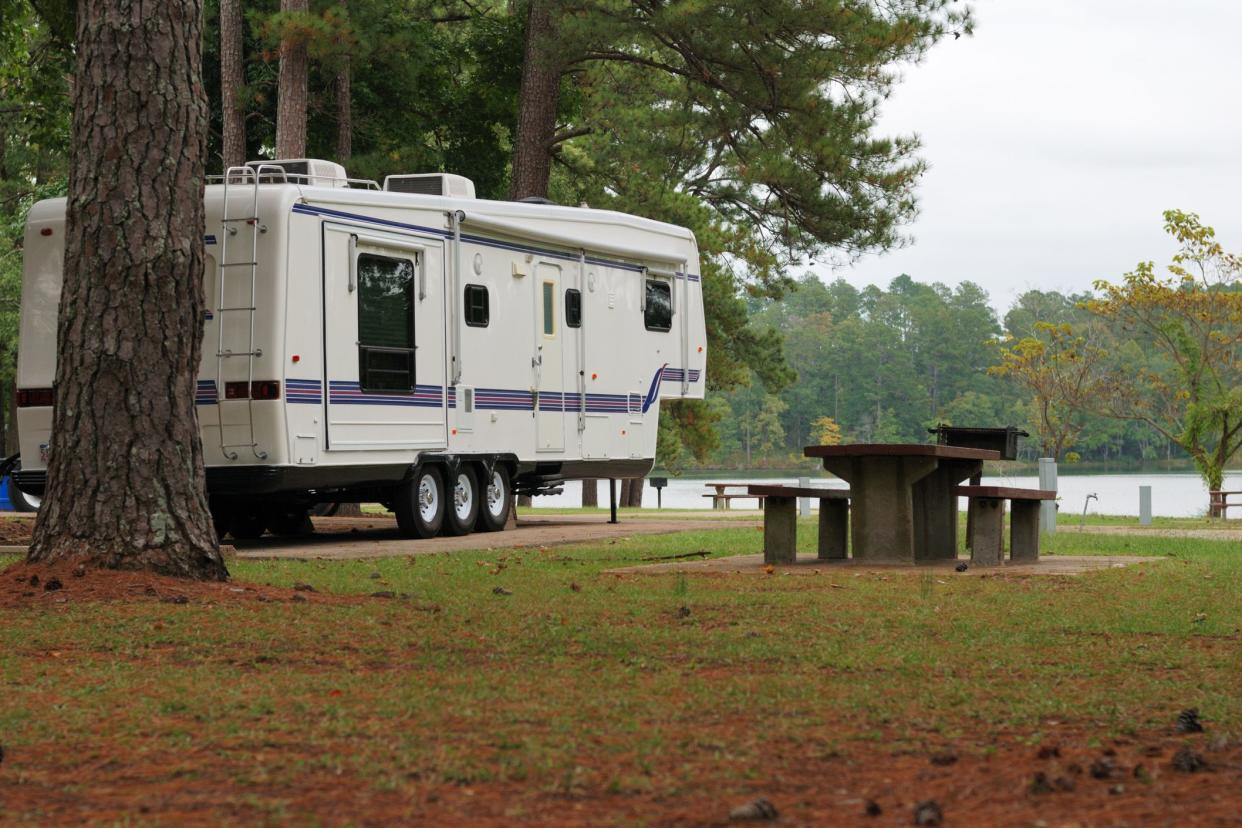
(1172, 495)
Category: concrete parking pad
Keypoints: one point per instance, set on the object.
(377, 537)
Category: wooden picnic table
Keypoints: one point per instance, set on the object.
(904, 508)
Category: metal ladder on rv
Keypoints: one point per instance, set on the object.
(247, 270)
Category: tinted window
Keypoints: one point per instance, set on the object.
(385, 323)
(658, 315)
(478, 312)
(549, 309)
(573, 308)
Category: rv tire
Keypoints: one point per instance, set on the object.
(463, 501)
(290, 523)
(247, 524)
(496, 500)
(421, 503)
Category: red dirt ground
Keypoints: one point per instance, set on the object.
(997, 781)
(26, 585)
(15, 529)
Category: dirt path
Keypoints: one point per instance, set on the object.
(1230, 534)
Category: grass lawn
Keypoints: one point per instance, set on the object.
(529, 687)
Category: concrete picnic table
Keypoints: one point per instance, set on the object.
(903, 509)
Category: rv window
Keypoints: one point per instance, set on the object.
(573, 308)
(477, 311)
(658, 315)
(385, 323)
(549, 309)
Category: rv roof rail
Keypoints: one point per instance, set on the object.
(276, 175)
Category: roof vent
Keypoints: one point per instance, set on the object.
(435, 184)
(309, 171)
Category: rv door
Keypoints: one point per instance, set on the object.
(548, 361)
(384, 339)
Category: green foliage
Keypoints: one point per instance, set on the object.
(34, 135)
(1191, 318)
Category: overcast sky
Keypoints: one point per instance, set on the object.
(1057, 135)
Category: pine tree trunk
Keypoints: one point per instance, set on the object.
(291, 90)
(125, 477)
(636, 493)
(538, 101)
(344, 110)
(590, 493)
(232, 79)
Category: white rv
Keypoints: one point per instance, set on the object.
(409, 345)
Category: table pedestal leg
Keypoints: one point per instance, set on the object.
(882, 493)
(833, 529)
(935, 510)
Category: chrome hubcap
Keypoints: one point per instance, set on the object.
(496, 494)
(428, 498)
(463, 496)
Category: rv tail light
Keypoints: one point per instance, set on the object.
(265, 390)
(35, 397)
(259, 390)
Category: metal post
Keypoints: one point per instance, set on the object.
(1048, 509)
(612, 499)
(1145, 505)
(804, 503)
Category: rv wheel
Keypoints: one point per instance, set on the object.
(463, 508)
(247, 524)
(497, 501)
(290, 523)
(420, 504)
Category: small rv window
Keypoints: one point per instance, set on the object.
(549, 309)
(385, 323)
(658, 315)
(477, 310)
(573, 308)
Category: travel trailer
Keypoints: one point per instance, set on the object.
(406, 344)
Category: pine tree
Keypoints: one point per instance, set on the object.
(125, 482)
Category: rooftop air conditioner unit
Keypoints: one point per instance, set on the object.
(438, 184)
(310, 171)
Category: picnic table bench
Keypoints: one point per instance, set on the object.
(986, 508)
(1219, 503)
(722, 497)
(780, 521)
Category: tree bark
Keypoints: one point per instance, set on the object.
(291, 92)
(232, 80)
(636, 493)
(344, 109)
(125, 482)
(538, 102)
(590, 493)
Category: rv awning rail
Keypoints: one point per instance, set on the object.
(510, 228)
